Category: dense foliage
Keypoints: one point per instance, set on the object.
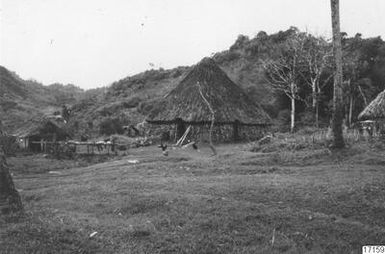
(259, 57)
(21, 100)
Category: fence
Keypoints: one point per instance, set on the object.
(57, 147)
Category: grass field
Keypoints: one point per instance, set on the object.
(307, 201)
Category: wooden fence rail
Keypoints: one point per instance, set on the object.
(60, 146)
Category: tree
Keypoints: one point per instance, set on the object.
(283, 72)
(338, 140)
(65, 112)
(315, 60)
(359, 61)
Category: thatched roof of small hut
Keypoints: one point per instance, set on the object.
(229, 102)
(375, 110)
(41, 126)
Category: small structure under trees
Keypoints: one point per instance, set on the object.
(375, 111)
(34, 132)
(223, 101)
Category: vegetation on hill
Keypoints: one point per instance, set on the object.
(129, 100)
(364, 71)
(21, 100)
(126, 101)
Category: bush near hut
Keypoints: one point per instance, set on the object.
(110, 126)
(146, 107)
(283, 121)
(307, 138)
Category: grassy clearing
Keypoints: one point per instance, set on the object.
(307, 200)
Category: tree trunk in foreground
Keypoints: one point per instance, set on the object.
(9, 197)
(338, 140)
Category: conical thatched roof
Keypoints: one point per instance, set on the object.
(376, 109)
(229, 102)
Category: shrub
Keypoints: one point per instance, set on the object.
(7, 105)
(131, 103)
(8, 144)
(306, 118)
(146, 107)
(110, 126)
(283, 120)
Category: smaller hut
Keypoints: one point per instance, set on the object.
(375, 111)
(33, 133)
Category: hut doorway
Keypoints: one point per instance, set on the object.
(180, 128)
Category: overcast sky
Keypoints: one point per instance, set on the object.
(92, 43)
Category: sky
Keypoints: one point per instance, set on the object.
(92, 43)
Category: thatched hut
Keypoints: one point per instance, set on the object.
(375, 111)
(38, 130)
(185, 105)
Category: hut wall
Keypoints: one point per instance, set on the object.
(379, 127)
(34, 147)
(221, 133)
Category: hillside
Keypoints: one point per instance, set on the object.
(130, 99)
(21, 99)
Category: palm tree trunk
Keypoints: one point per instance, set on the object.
(338, 140)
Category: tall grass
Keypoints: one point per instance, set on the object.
(311, 139)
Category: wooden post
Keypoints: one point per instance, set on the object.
(212, 119)
(180, 128)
